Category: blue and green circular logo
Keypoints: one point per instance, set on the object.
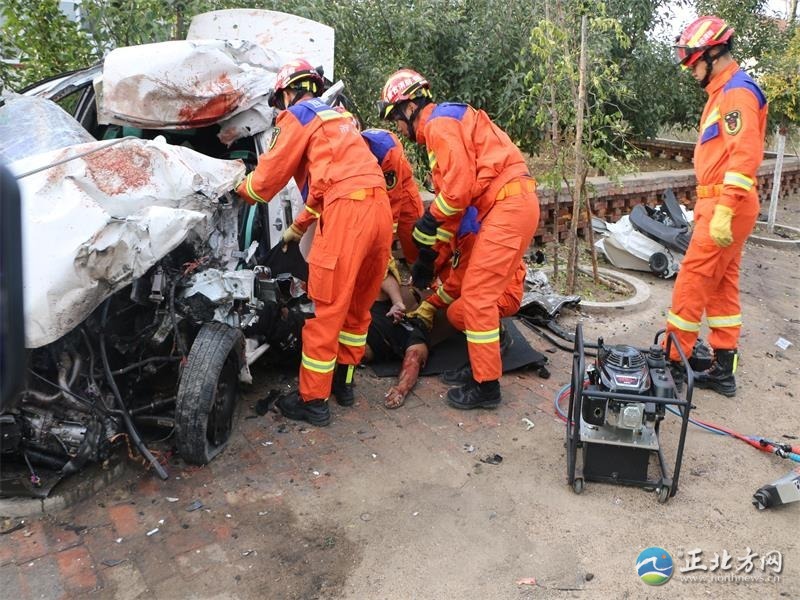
(654, 566)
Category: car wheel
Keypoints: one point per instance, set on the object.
(207, 393)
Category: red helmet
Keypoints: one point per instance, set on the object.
(298, 74)
(403, 85)
(698, 37)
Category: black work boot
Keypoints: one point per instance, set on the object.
(720, 376)
(458, 376)
(343, 385)
(475, 395)
(315, 412)
(463, 375)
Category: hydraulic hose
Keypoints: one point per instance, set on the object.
(782, 450)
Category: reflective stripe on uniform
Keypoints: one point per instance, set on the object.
(682, 324)
(352, 339)
(482, 337)
(423, 238)
(314, 213)
(431, 159)
(739, 180)
(444, 296)
(318, 366)
(394, 227)
(444, 207)
(443, 235)
(726, 321)
(711, 118)
(329, 115)
(250, 191)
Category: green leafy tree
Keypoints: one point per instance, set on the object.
(38, 40)
(551, 105)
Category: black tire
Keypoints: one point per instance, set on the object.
(207, 393)
(659, 264)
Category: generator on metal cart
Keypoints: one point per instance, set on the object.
(616, 407)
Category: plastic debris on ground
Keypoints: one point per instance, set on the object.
(783, 343)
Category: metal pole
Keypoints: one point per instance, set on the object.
(776, 181)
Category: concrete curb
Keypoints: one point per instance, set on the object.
(640, 299)
(72, 490)
(777, 242)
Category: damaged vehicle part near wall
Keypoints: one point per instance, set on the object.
(649, 239)
(149, 287)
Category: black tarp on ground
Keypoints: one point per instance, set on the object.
(452, 354)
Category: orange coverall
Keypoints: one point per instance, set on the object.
(400, 184)
(453, 276)
(324, 152)
(726, 159)
(475, 163)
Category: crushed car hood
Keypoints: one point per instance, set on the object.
(102, 216)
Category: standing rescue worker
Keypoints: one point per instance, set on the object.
(403, 190)
(474, 164)
(726, 158)
(341, 184)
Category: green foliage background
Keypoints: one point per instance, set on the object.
(477, 51)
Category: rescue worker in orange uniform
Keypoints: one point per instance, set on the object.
(473, 163)
(404, 196)
(726, 159)
(341, 182)
(403, 191)
(452, 275)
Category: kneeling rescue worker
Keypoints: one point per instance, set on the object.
(726, 160)
(473, 163)
(343, 187)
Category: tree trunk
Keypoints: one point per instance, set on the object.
(572, 265)
(776, 180)
(555, 141)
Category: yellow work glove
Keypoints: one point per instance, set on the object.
(292, 234)
(424, 312)
(720, 227)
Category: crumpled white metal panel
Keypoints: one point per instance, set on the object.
(183, 83)
(93, 224)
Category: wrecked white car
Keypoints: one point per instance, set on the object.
(148, 287)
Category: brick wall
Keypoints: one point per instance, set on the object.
(611, 200)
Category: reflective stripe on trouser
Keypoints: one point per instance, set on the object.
(492, 272)
(708, 280)
(346, 265)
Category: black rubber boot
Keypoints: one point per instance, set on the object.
(315, 412)
(343, 385)
(463, 375)
(475, 395)
(720, 376)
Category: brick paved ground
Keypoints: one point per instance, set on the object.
(391, 504)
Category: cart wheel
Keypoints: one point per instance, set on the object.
(578, 485)
(663, 494)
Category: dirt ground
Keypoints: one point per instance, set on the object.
(393, 504)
